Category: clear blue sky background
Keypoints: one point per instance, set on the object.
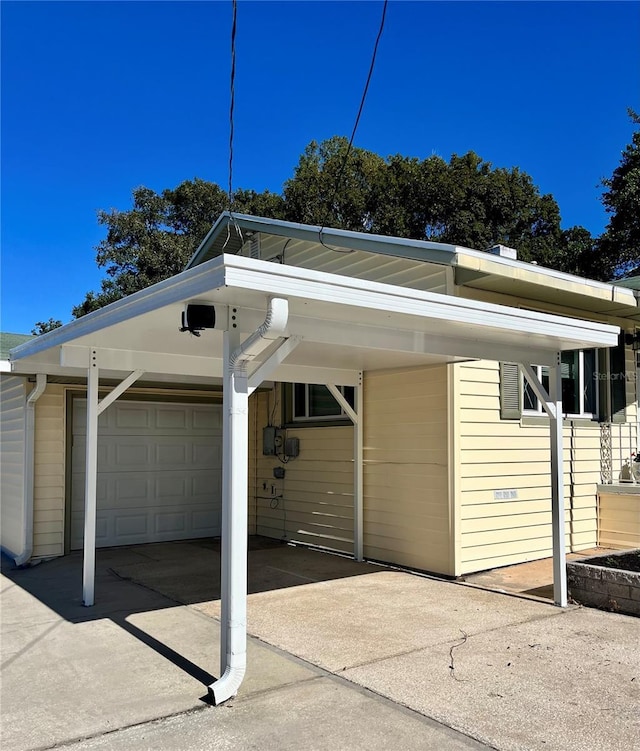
(100, 97)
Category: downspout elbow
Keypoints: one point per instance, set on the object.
(227, 686)
(29, 456)
(273, 327)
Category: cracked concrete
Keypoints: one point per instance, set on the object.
(359, 657)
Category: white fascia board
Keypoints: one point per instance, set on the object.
(116, 361)
(319, 286)
(77, 356)
(5, 366)
(314, 374)
(485, 263)
(183, 286)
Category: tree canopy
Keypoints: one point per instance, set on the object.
(464, 201)
(619, 246)
(43, 327)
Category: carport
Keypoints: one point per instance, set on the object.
(267, 322)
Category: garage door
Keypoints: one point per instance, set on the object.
(159, 472)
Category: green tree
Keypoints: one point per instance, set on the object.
(156, 237)
(43, 327)
(463, 201)
(619, 246)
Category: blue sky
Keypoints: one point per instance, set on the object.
(101, 97)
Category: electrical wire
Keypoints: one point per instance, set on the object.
(353, 132)
(232, 102)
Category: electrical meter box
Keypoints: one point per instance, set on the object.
(272, 441)
(291, 448)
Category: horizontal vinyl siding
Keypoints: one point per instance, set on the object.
(12, 446)
(313, 504)
(49, 480)
(500, 454)
(619, 520)
(406, 510)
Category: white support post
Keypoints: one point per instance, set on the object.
(557, 487)
(233, 641)
(91, 480)
(358, 474)
(230, 342)
(356, 417)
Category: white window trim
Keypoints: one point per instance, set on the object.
(341, 415)
(581, 384)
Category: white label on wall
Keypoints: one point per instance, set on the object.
(504, 495)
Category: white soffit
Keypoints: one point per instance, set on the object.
(345, 324)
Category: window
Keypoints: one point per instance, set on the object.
(579, 385)
(594, 386)
(314, 402)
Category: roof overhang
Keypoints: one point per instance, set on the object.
(535, 283)
(343, 325)
(475, 269)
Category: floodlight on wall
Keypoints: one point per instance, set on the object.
(197, 318)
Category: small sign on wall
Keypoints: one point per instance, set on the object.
(504, 495)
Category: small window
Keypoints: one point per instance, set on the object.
(579, 385)
(314, 402)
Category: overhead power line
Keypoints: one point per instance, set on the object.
(355, 125)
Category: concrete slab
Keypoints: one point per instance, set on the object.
(527, 675)
(67, 677)
(318, 715)
(571, 682)
(345, 622)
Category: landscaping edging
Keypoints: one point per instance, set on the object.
(604, 587)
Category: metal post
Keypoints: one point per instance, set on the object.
(233, 637)
(358, 480)
(230, 342)
(557, 487)
(91, 480)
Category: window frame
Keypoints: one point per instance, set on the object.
(582, 414)
(310, 420)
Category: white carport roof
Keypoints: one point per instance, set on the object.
(292, 324)
(345, 325)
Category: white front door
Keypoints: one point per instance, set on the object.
(159, 472)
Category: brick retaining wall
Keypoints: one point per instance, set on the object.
(601, 587)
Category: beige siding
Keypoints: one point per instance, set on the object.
(406, 506)
(313, 504)
(497, 455)
(619, 519)
(12, 447)
(49, 480)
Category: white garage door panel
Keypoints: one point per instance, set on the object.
(159, 473)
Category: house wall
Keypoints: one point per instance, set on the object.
(498, 455)
(406, 494)
(619, 518)
(313, 504)
(13, 392)
(49, 476)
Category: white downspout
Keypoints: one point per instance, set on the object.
(233, 575)
(29, 467)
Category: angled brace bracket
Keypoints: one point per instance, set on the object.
(538, 388)
(339, 397)
(275, 358)
(119, 390)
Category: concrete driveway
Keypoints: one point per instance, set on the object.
(342, 655)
